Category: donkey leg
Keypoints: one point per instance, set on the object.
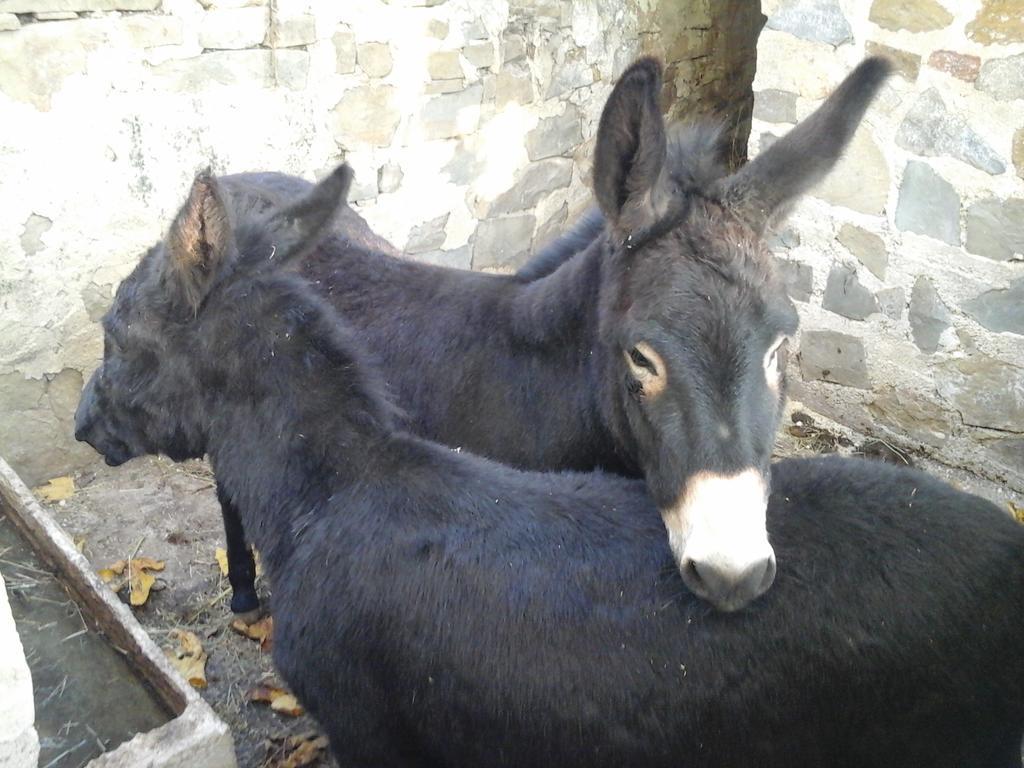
(241, 565)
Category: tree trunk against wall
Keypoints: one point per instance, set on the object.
(710, 51)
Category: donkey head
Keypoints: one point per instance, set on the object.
(151, 393)
(696, 321)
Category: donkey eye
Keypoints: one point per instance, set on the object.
(641, 361)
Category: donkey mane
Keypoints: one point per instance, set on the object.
(694, 156)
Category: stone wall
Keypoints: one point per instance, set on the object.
(470, 124)
(907, 262)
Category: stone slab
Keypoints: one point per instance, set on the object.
(836, 358)
(998, 22)
(1002, 79)
(19, 742)
(910, 15)
(504, 242)
(995, 229)
(928, 204)
(845, 296)
(868, 247)
(1000, 309)
(930, 129)
(819, 20)
(929, 317)
(49, 6)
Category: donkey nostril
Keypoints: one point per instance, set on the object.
(728, 586)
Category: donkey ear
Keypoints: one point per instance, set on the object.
(765, 188)
(296, 229)
(630, 149)
(200, 240)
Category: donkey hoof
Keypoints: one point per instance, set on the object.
(246, 606)
(250, 617)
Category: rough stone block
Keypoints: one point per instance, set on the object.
(513, 85)
(998, 21)
(344, 41)
(437, 29)
(480, 55)
(569, 74)
(786, 238)
(836, 358)
(147, 31)
(368, 114)
(961, 65)
(995, 229)
(919, 419)
(208, 4)
(9, 22)
(51, 6)
(1002, 79)
(817, 75)
(845, 296)
(444, 86)
(932, 130)
(55, 16)
(929, 317)
(553, 227)
(253, 67)
(31, 235)
(374, 59)
(534, 182)
(928, 204)
(513, 48)
(289, 32)
(891, 302)
(452, 114)
(389, 177)
(910, 15)
(860, 180)
(428, 236)
(444, 65)
(35, 62)
(233, 28)
(907, 64)
(987, 392)
(868, 247)
(1018, 151)
(457, 258)
(775, 106)
(1001, 309)
(555, 136)
(504, 242)
(797, 277)
(819, 20)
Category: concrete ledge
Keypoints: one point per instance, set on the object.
(19, 743)
(197, 736)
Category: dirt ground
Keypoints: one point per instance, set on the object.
(154, 508)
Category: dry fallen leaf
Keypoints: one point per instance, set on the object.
(300, 751)
(1017, 511)
(261, 631)
(221, 556)
(57, 489)
(278, 698)
(188, 658)
(138, 587)
(135, 574)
